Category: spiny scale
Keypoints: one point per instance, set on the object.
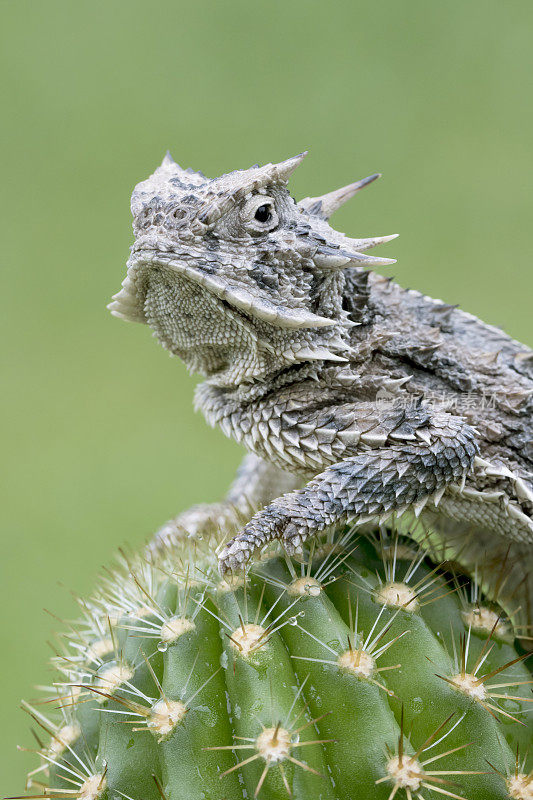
(379, 400)
(317, 677)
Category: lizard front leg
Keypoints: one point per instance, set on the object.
(371, 483)
(257, 483)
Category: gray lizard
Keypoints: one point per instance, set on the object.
(356, 399)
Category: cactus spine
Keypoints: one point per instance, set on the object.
(359, 670)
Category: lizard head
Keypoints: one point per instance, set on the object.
(233, 275)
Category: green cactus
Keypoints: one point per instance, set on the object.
(359, 671)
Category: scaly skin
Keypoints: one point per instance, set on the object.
(358, 400)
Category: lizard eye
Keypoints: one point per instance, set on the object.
(263, 213)
(260, 214)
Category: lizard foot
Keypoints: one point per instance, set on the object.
(273, 522)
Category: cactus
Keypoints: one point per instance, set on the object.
(360, 670)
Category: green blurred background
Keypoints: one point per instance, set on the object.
(100, 441)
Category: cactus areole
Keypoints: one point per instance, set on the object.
(360, 670)
(349, 623)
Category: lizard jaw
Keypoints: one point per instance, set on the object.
(129, 301)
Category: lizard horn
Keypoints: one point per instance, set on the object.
(284, 169)
(257, 177)
(365, 244)
(168, 160)
(333, 259)
(172, 167)
(327, 204)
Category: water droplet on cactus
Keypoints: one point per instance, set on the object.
(417, 704)
(257, 707)
(248, 670)
(207, 716)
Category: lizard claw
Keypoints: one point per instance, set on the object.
(271, 523)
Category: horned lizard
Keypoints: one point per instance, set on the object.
(356, 399)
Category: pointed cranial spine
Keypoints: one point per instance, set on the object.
(326, 205)
(242, 247)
